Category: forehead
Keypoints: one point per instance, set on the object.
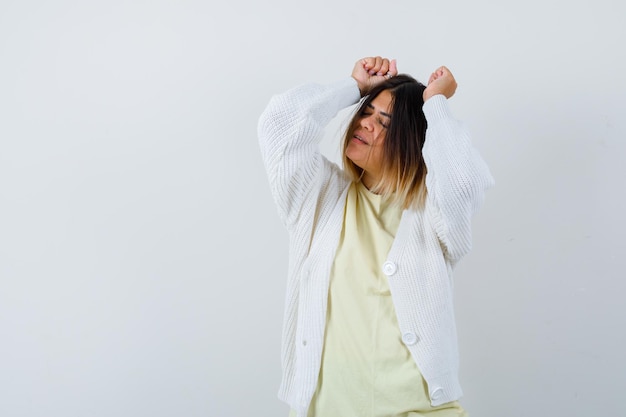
(382, 102)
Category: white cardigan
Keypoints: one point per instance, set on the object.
(310, 193)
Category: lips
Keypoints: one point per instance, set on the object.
(360, 139)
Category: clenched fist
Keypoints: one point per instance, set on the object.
(371, 71)
(440, 82)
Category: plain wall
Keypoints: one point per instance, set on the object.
(142, 262)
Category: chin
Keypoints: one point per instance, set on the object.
(355, 161)
(353, 155)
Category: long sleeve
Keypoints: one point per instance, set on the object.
(456, 180)
(289, 132)
(309, 192)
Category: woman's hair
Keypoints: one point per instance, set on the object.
(403, 168)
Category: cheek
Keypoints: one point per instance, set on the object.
(377, 154)
(352, 151)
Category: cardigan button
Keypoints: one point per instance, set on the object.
(436, 394)
(409, 338)
(389, 268)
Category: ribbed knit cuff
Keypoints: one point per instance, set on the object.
(437, 108)
(444, 389)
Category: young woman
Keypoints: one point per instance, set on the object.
(369, 327)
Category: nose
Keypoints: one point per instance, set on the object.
(367, 123)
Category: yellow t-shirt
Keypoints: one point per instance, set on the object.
(366, 370)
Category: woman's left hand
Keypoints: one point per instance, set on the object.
(441, 82)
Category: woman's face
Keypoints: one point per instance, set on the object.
(365, 148)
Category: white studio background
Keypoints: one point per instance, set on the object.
(142, 262)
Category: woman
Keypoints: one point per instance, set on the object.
(369, 325)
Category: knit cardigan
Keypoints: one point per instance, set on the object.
(310, 194)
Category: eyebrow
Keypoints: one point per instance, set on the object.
(381, 112)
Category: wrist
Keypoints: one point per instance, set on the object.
(362, 88)
(428, 94)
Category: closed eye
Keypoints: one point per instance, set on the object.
(379, 120)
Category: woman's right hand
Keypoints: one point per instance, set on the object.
(371, 71)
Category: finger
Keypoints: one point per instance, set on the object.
(376, 67)
(368, 63)
(447, 73)
(384, 68)
(393, 68)
(432, 78)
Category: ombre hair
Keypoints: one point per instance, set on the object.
(403, 169)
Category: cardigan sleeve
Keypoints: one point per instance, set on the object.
(456, 179)
(289, 132)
